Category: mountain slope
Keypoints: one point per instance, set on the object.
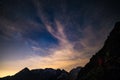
(105, 65)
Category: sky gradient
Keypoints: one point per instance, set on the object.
(53, 33)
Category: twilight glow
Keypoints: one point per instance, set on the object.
(52, 33)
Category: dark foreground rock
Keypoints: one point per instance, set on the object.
(74, 73)
(105, 65)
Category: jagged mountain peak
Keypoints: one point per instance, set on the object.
(24, 70)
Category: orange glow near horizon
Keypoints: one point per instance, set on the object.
(64, 56)
(33, 63)
(7, 73)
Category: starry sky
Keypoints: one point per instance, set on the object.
(53, 33)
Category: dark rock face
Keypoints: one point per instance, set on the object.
(105, 65)
(63, 76)
(74, 73)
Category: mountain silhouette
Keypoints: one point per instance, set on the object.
(74, 73)
(105, 64)
(39, 74)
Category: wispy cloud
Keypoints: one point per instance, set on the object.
(64, 53)
(79, 32)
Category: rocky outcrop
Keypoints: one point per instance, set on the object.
(105, 64)
(74, 73)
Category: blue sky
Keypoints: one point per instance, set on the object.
(53, 33)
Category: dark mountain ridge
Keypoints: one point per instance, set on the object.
(44, 74)
(38, 74)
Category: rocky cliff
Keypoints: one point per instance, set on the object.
(105, 64)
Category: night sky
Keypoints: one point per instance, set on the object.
(53, 33)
